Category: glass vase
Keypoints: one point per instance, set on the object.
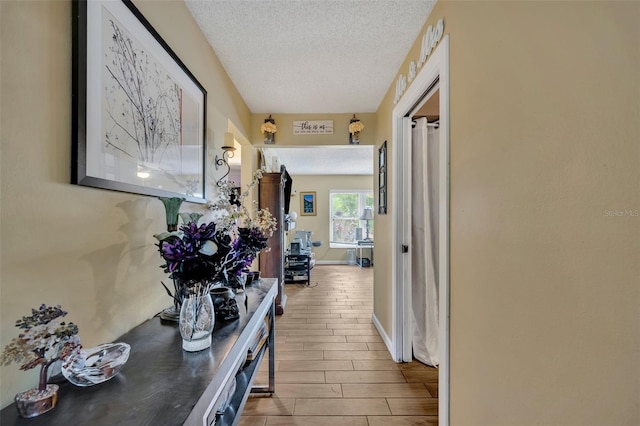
(354, 138)
(269, 138)
(172, 207)
(196, 322)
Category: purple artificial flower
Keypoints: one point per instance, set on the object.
(203, 232)
(175, 251)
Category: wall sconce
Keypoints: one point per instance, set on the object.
(227, 152)
(367, 215)
(269, 130)
(355, 127)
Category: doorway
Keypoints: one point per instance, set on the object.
(432, 81)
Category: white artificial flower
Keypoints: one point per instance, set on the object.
(209, 248)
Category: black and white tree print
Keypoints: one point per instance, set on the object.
(142, 105)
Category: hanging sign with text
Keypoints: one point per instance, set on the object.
(321, 127)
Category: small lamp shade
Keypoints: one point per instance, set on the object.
(367, 214)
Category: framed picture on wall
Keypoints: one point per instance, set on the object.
(138, 112)
(382, 179)
(308, 203)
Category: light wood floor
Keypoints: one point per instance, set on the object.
(332, 367)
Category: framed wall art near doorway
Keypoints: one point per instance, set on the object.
(308, 203)
(138, 112)
(382, 179)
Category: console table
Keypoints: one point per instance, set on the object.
(162, 385)
(363, 244)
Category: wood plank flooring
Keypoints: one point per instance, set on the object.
(332, 367)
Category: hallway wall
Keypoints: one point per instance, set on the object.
(545, 202)
(90, 250)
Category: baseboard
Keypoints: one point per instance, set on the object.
(383, 333)
(281, 306)
(332, 262)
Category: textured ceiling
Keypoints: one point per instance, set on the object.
(311, 56)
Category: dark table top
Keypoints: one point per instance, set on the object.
(160, 383)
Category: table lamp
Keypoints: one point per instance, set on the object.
(367, 215)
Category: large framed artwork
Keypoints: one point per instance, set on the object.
(138, 112)
(308, 203)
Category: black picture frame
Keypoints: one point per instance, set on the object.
(382, 179)
(138, 113)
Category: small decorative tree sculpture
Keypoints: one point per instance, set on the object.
(43, 340)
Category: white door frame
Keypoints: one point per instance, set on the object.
(436, 68)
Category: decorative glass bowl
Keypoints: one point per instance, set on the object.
(92, 366)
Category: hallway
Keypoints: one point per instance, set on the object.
(332, 367)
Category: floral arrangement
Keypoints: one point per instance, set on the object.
(355, 125)
(195, 257)
(269, 126)
(249, 227)
(198, 256)
(248, 244)
(44, 339)
(237, 214)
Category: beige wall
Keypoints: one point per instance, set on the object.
(319, 224)
(382, 273)
(545, 145)
(89, 250)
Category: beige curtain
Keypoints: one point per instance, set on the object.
(424, 250)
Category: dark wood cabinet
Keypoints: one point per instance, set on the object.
(272, 196)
